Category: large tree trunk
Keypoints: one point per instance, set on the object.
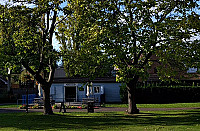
(46, 85)
(131, 86)
(9, 83)
(46, 98)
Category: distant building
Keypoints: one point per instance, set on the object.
(104, 89)
(190, 76)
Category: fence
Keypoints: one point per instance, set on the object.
(31, 98)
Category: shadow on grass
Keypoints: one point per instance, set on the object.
(100, 121)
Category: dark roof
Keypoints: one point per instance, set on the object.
(192, 77)
(84, 80)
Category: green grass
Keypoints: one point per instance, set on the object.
(174, 105)
(9, 106)
(151, 121)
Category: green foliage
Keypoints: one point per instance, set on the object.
(26, 36)
(9, 106)
(4, 96)
(23, 106)
(123, 93)
(81, 54)
(125, 34)
(54, 106)
(7, 97)
(36, 106)
(128, 33)
(163, 94)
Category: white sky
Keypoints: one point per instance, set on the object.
(3, 1)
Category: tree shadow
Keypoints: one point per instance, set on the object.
(100, 121)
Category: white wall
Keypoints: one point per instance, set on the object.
(111, 90)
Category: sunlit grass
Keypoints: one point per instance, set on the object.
(174, 105)
(146, 120)
(9, 106)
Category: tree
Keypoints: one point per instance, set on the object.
(27, 31)
(128, 32)
(78, 61)
(5, 65)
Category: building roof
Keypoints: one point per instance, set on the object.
(84, 80)
(60, 77)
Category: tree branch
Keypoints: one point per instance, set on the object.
(48, 13)
(36, 75)
(52, 27)
(51, 73)
(61, 20)
(165, 14)
(147, 57)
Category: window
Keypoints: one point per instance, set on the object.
(97, 89)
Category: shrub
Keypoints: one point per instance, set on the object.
(54, 106)
(123, 93)
(22, 106)
(35, 106)
(156, 93)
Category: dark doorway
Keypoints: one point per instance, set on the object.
(70, 94)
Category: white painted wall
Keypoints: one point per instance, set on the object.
(111, 90)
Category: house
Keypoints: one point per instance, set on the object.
(104, 89)
(189, 76)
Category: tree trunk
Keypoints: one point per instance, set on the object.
(9, 80)
(131, 86)
(46, 98)
(9, 83)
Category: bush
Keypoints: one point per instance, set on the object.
(161, 94)
(22, 106)
(7, 97)
(123, 93)
(54, 106)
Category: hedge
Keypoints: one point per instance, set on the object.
(164, 94)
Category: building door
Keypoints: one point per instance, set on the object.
(70, 94)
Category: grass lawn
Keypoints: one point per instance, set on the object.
(9, 106)
(152, 120)
(174, 105)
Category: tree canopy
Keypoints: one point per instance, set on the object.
(27, 30)
(128, 32)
